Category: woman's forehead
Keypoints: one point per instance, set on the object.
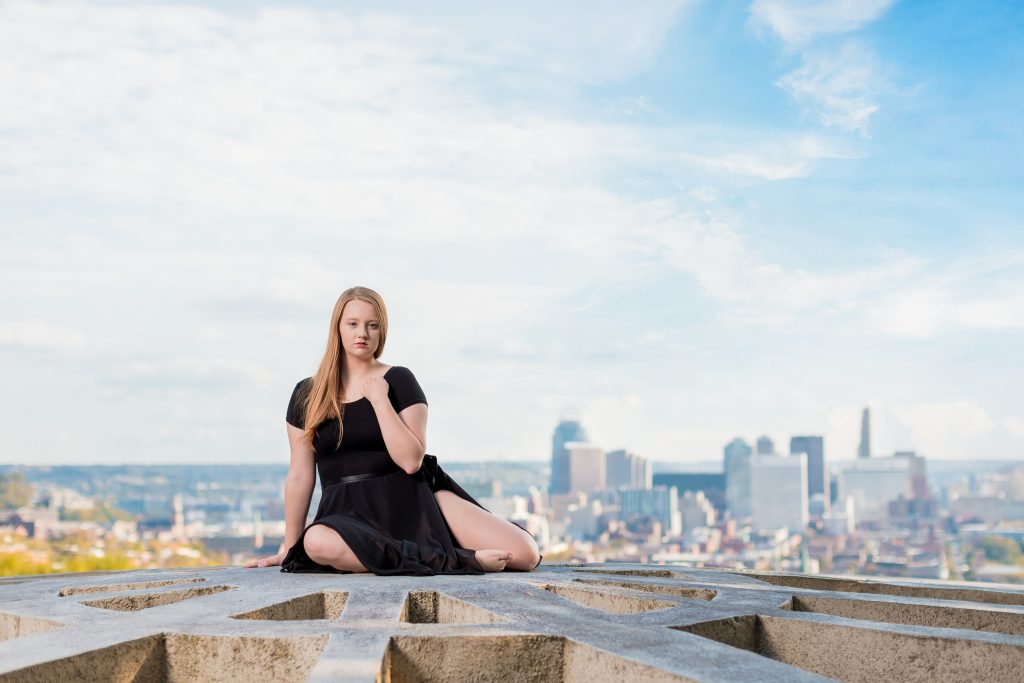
(358, 310)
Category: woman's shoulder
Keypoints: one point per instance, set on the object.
(403, 387)
(297, 403)
(400, 374)
(301, 391)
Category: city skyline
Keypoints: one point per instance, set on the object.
(681, 220)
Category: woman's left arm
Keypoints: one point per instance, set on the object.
(405, 434)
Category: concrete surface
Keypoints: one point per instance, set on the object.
(561, 623)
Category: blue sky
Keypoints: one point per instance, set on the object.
(680, 221)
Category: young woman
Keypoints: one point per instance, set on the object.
(386, 506)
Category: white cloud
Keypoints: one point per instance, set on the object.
(763, 167)
(339, 124)
(617, 422)
(177, 374)
(842, 432)
(780, 159)
(353, 125)
(986, 295)
(797, 22)
(379, 120)
(634, 106)
(1014, 425)
(736, 156)
(729, 270)
(41, 335)
(197, 187)
(210, 333)
(704, 194)
(590, 41)
(933, 421)
(910, 313)
(841, 87)
(945, 429)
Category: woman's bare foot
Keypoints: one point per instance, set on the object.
(493, 560)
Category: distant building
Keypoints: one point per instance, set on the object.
(875, 482)
(696, 510)
(991, 509)
(817, 473)
(765, 446)
(864, 449)
(623, 468)
(918, 475)
(565, 432)
(778, 491)
(905, 510)
(711, 483)
(178, 528)
(562, 502)
(586, 467)
(840, 520)
(584, 520)
(737, 478)
(660, 502)
(817, 506)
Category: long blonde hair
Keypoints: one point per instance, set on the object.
(323, 401)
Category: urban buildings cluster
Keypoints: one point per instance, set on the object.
(756, 508)
(767, 509)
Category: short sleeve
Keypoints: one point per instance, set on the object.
(404, 390)
(296, 415)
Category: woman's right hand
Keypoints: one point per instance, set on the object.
(269, 561)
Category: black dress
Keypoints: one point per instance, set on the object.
(390, 519)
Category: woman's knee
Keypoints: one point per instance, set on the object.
(320, 543)
(525, 555)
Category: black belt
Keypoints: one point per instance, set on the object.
(324, 483)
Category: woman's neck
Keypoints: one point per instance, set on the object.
(359, 368)
(352, 376)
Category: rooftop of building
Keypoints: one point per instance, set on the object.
(566, 623)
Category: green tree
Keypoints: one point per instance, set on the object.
(16, 564)
(999, 549)
(15, 491)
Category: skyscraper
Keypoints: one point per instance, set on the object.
(778, 492)
(864, 450)
(765, 446)
(623, 468)
(566, 431)
(918, 475)
(586, 467)
(817, 473)
(876, 482)
(711, 483)
(696, 509)
(737, 478)
(661, 502)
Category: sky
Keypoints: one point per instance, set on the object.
(677, 221)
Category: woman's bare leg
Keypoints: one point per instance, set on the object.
(474, 527)
(324, 545)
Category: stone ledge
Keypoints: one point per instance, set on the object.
(565, 623)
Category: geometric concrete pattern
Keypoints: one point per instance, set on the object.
(609, 622)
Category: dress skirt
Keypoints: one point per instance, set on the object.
(392, 523)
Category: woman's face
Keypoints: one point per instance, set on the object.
(359, 329)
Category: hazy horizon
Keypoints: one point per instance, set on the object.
(683, 221)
